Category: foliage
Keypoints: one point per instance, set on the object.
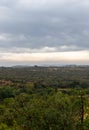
(48, 98)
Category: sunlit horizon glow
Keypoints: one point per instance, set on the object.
(54, 57)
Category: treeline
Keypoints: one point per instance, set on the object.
(30, 108)
(59, 77)
(44, 98)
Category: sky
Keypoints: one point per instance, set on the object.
(44, 32)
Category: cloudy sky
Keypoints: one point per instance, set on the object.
(44, 32)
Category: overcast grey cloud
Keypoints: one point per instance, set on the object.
(32, 26)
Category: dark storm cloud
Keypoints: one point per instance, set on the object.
(61, 24)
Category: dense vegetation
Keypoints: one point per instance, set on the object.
(44, 98)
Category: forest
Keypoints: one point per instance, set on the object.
(44, 98)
